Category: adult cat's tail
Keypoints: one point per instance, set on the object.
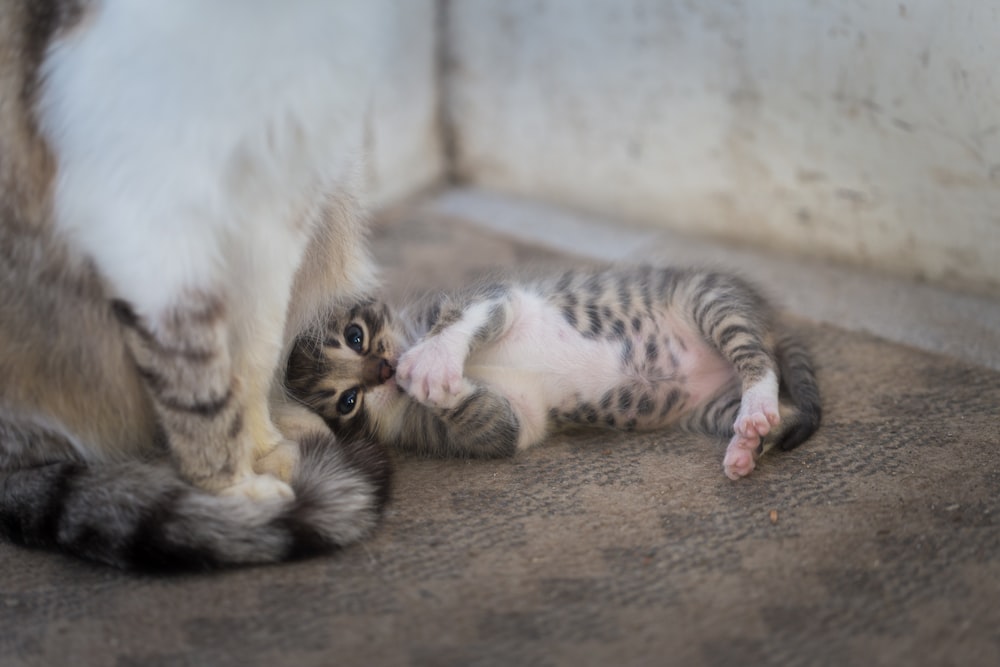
(799, 392)
(142, 516)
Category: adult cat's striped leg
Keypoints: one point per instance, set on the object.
(736, 321)
(183, 356)
(432, 371)
(153, 206)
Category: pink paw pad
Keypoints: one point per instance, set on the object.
(756, 424)
(758, 410)
(740, 456)
(432, 373)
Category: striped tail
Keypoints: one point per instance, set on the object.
(798, 388)
(142, 516)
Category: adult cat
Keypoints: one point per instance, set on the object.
(175, 206)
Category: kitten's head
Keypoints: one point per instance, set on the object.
(346, 371)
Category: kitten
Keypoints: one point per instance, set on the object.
(175, 207)
(499, 366)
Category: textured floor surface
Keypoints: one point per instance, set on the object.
(876, 543)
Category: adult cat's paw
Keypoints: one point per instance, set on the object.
(259, 488)
(432, 373)
(280, 462)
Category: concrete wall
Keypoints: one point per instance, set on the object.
(402, 140)
(861, 130)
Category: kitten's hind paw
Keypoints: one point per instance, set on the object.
(758, 409)
(754, 425)
(260, 488)
(740, 456)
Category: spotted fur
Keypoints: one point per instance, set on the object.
(497, 367)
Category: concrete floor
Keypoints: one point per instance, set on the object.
(877, 542)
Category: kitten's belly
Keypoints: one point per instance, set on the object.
(543, 363)
(700, 370)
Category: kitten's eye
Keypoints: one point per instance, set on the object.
(348, 401)
(355, 337)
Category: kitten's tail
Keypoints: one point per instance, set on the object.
(144, 517)
(800, 404)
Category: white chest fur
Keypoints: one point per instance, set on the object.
(192, 124)
(542, 362)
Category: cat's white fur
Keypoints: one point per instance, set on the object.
(209, 191)
(576, 366)
(542, 362)
(220, 161)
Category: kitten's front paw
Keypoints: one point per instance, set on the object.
(431, 372)
(259, 488)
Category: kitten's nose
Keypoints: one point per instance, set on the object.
(385, 370)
